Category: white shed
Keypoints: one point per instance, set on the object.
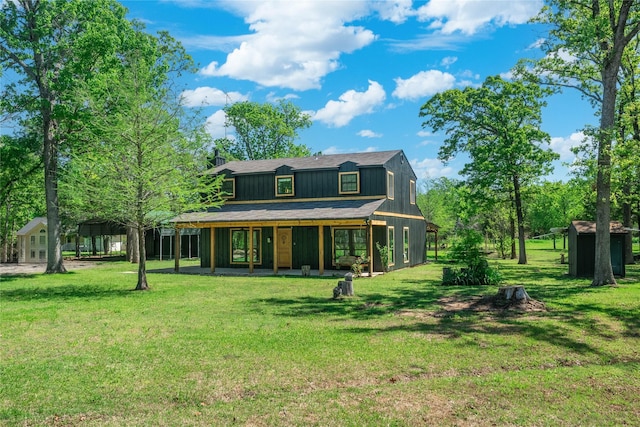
(32, 241)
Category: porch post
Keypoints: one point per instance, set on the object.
(436, 233)
(251, 249)
(212, 248)
(370, 235)
(320, 250)
(275, 249)
(177, 251)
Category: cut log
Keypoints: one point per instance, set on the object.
(515, 294)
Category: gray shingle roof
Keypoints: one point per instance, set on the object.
(317, 210)
(332, 161)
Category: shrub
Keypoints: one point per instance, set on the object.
(466, 250)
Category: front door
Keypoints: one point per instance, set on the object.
(284, 247)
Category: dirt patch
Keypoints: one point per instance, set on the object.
(12, 269)
(489, 303)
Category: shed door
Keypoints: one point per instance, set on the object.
(617, 251)
(284, 247)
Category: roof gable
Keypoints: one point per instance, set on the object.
(31, 225)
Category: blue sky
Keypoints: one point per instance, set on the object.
(361, 69)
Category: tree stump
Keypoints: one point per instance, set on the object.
(306, 270)
(514, 294)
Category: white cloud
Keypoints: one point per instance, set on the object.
(563, 146)
(448, 61)
(425, 83)
(351, 104)
(536, 44)
(395, 11)
(431, 168)
(424, 134)
(469, 16)
(367, 133)
(293, 44)
(215, 125)
(208, 96)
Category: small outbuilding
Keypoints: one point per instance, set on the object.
(582, 248)
(32, 241)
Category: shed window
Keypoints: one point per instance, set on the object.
(391, 245)
(228, 188)
(284, 185)
(412, 192)
(240, 249)
(349, 182)
(390, 186)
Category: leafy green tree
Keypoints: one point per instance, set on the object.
(498, 125)
(264, 131)
(626, 154)
(584, 50)
(21, 189)
(439, 200)
(53, 46)
(143, 161)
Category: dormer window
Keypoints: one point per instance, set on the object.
(284, 186)
(228, 188)
(349, 182)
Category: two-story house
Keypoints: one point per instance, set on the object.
(323, 211)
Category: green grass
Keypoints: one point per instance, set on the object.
(83, 349)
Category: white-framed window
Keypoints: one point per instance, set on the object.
(391, 245)
(349, 182)
(412, 192)
(390, 186)
(228, 188)
(33, 243)
(240, 250)
(43, 240)
(284, 186)
(42, 255)
(405, 244)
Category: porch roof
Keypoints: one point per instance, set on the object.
(285, 211)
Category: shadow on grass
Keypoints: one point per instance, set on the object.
(563, 326)
(65, 292)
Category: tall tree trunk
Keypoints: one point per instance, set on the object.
(512, 231)
(54, 245)
(133, 248)
(627, 221)
(142, 265)
(518, 202)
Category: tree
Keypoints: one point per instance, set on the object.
(21, 197)
(143, 161)
(53, 46)
(498, 125)
(264, 131)
(584, 51)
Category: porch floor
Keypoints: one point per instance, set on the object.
(206, 271)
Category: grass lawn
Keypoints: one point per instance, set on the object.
(83, 349)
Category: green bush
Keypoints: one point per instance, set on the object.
(466, 250)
